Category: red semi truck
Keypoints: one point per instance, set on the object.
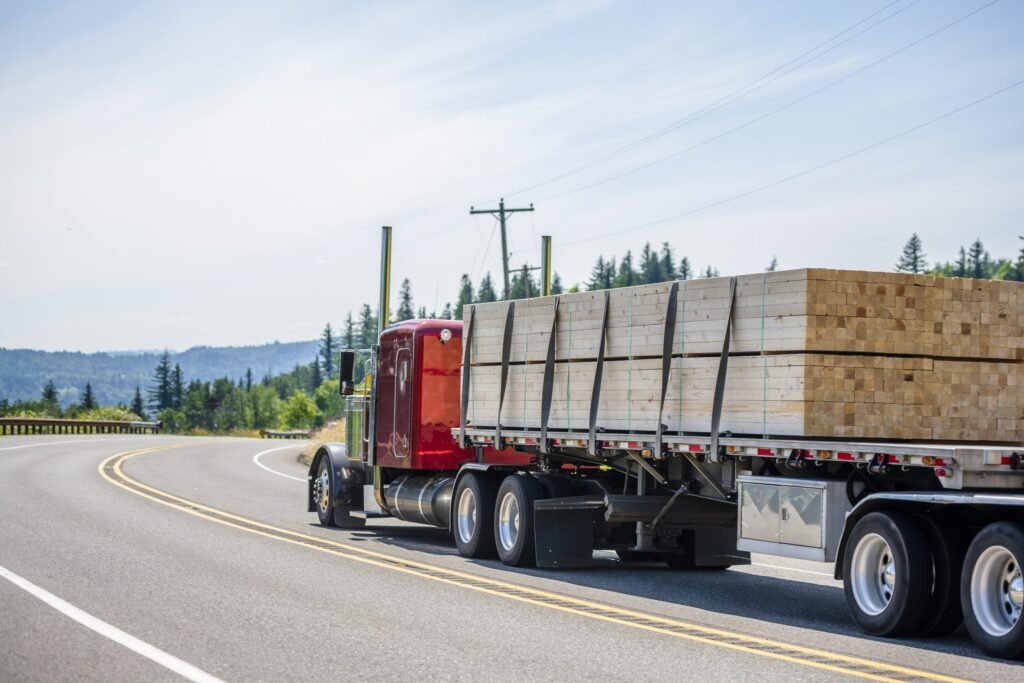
(924, 536)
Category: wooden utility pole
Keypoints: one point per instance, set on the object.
(499, 213)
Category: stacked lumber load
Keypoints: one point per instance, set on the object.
(813, 353)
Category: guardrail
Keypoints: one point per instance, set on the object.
(52, 425)
(275, 434)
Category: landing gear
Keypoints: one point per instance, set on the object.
(992, 590)
(887, 570)
(473, 527)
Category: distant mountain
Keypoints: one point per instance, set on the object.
(114, 375)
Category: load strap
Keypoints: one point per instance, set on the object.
(723, 366)
(595, 396)
(548, 388)
(467, 345)
(666, 359)
(506, 352)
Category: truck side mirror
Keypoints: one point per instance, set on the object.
(346, 366)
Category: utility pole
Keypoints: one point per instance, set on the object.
(499, 213)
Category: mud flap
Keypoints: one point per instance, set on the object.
(564, 530)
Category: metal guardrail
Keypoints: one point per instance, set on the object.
(52, 425)
(275, 434)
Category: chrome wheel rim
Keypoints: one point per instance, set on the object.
(997, 590)
(508, 521)
(322, 491)
(466, 515)
(874, 574)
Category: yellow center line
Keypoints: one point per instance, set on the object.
(111, 470)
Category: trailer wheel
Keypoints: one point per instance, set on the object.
(947, 548)
(887, 574)
(992, 590)
(474, 515)
(513, 520)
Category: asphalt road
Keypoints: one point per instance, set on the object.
(98, 583)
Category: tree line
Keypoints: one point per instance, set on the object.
(972, 261)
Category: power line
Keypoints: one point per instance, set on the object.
(762, 117)
(731, 97)
(801, 174)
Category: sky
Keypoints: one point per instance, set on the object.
(183, 173)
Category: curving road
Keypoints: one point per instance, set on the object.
(135, 573)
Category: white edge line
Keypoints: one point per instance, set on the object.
(51, 443)
(256, 459)
(793, 569)
(115, 634)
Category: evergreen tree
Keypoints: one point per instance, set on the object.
(556, 284)
(960, 269)
(177, 387)
(486, 292)
(978, 260)
(317, 377)
(51, 401)
(709, 272)
(328, 351)
(348, 336)
(773, 266)
(912, 259)
(137, 406)
(523, 285)
(160, 397)
(668, 264)
(88, 401)
(1017, 273)
(603, 274)
(627, 276)
(465, 295)
(421, 313)
(405, 310)
(685, 269)
(446, 314)
(248, 379)
(650, 266)
(367, 327)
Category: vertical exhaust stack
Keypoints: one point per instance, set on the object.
(383, 306)
(545, 265)
(382, 322)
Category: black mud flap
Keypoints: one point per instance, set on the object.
(564, 530)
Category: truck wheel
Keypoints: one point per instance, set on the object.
(992, 590)
(513, 520)
(887, 574)
(474, 515)
(947, 549)
(323, 495)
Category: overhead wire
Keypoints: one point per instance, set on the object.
(771, 113)
(801, 174)
(741, 92)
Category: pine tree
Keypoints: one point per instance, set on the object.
(421, 313)
(1017, 272)
(137, 406)
(978, 260)
(650, 266)
(328, 351)
(960, 268)
(709, 272)
(248, 379)
(556, 284)
(160, 397)
(405, 310)
(446, 314)
(912, 259)
(348, 336)
(177, 387)
(465, 295)
(523, 285)
(603, 274)
(50, 397)
(627, 276)
(317, 377)
(367, 327)
(773, 266)
(486, 292)
(88, 401)
(685, 269)
(668, 265)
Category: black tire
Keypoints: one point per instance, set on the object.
(879, 541)
(947, 548)
(1000, 538)
(475, 539)
(323, 493)
(519, 490)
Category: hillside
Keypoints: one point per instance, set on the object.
(114, 375)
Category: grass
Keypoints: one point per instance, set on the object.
(332, 431)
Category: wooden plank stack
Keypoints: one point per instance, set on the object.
(814, 353)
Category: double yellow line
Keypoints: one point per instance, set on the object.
(112, 470)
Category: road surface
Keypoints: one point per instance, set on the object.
(126, 558)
